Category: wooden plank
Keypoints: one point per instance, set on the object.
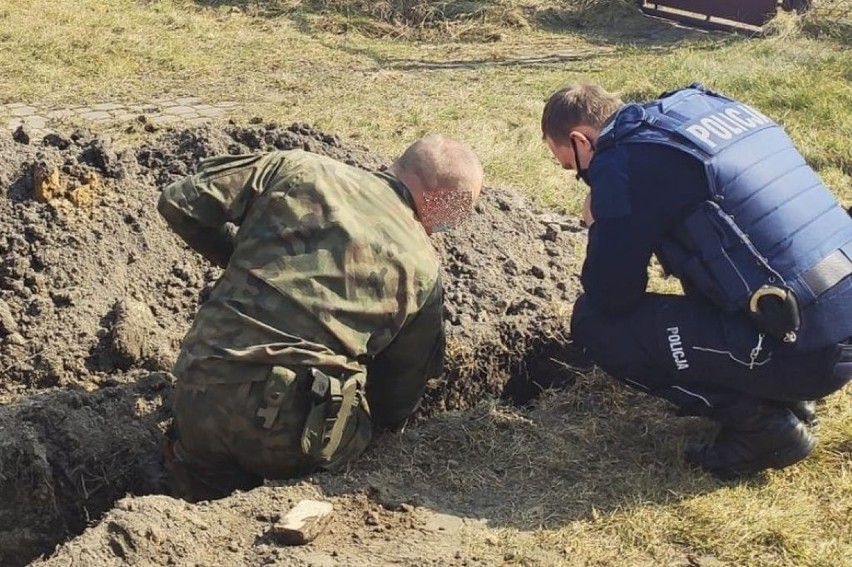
(751, 12)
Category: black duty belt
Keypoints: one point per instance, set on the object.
(828, 272)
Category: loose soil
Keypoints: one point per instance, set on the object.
(95, 296)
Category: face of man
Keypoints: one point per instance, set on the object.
(443, 210)
(568, 155)
(564, 154)
(575, 155)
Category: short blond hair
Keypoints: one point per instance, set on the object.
(442, 163)
(576, 105)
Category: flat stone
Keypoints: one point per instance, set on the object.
(211, 112)
(15, 105)
(188, 100)
(13, 123)
(143, 108)
(179, 110)
(95, 115)
(199, 121)
(107, 106)
(23, 110)
(163, 119)
(227, 104)
(303, 523)
(37, 122)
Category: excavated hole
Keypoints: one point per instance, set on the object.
(95, 297)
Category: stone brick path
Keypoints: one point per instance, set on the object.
(160, 112)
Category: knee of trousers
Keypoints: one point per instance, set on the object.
(616, 344)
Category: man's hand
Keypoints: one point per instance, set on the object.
(588, 219)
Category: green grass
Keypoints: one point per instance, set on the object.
(278, 62)
(481, 72)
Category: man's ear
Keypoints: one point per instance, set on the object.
(581, 139)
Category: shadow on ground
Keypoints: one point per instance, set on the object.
(593, 449)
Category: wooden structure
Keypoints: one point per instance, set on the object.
(714, 13)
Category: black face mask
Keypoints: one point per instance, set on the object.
(582, 172)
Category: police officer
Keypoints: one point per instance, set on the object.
(327, 319)
(718, 193)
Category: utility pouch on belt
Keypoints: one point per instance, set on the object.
(338, 416)
(276, 391)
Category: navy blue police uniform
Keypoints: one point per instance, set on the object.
(719, 194)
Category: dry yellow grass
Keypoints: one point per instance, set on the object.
(590, 477)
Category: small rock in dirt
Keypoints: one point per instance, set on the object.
(20, 135)
(57, 141)
(371, 519)
(303, 523)
(47, 184)
(16, 339)
(8, 325)
(135, 337)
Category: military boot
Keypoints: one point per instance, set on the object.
(806, 411)
(752, 439)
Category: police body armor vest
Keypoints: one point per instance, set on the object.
(770, 222)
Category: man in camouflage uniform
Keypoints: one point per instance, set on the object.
(328, 317)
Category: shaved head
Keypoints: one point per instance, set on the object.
(444, 177)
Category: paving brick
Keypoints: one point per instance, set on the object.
(212, 112)
(144, 109)
(36, 121)
(23, 110)
(107, 106)
(200, 121)
(188, 100)
(95, 115)
(180, 111)
(191, 110)
(163, 119)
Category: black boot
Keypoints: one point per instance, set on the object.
(806, 412)
(753, 439)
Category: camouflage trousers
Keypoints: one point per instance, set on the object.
(230, 437)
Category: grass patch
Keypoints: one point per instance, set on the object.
(269, 57)
(591, 477)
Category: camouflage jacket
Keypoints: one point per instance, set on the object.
(326, 265)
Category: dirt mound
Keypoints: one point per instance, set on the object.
(96, 294)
